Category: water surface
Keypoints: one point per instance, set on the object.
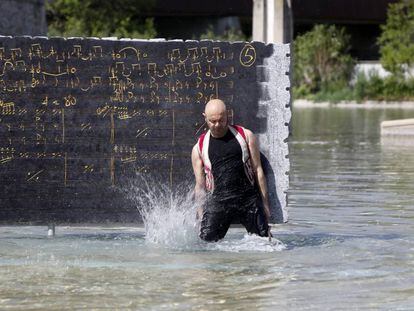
(348, 245)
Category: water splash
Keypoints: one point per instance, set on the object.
(249, 243)
(169, 219)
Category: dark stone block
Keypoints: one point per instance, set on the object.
(79, 118)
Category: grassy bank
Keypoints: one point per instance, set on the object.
(373, 88)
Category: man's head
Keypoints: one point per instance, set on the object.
(215, 115)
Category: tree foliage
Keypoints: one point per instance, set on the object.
(230, 34)
(321, 59)
(390, 88)
(95, 18)
(397, 38)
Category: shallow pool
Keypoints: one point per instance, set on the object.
(348, 245)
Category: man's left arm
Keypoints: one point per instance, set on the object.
(253, 145)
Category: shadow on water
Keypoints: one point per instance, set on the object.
(113, 236)
(276, 208)
(97, 236)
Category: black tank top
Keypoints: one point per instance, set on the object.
(230, 180)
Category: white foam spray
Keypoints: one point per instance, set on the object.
(170, 221)
(169, 217)
(249, 243)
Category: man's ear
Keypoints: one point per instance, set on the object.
(204, 115)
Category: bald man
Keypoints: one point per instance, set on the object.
(230, 182)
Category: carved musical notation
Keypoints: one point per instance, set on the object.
(34, 176)
(132, 74)
(62, 100)
(6, 154)
(7, 109)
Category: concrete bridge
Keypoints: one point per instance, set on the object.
(270, 21)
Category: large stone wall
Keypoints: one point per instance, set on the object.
(79, 118)
(22, 17)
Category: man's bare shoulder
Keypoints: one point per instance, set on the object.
(248, 132)
(195, 148)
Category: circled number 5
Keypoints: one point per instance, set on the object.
(247, 55)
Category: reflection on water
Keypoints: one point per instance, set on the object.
(351, 175)
(348, 244)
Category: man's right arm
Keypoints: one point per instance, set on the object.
(199, 189)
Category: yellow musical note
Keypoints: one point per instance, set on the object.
(34, 176)
(7, 109)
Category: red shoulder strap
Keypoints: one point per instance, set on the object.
(201, 141)
(240, 130)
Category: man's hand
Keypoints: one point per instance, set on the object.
(269, 234)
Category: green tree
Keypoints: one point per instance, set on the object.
(321, 59)
(96, 18)
(397, 38)
(228, 35)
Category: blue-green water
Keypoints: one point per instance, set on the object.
(348, 245)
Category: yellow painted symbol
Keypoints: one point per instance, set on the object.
(86, 126)
(69, 101)
(88, 168)
(142, 132)
(7, 108)
(34, 176)
(247, 55)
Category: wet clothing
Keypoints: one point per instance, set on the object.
(235, 197)
(240, 138)
(219, 215)
(227, 167)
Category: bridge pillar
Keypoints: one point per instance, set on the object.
(272, 21)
